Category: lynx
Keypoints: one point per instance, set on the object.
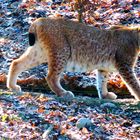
(68, 45)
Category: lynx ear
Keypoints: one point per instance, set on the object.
(31, 39)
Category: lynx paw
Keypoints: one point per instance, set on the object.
(68, 95)
(16, 88)
(110, 95)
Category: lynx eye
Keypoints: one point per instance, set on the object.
(31, 39)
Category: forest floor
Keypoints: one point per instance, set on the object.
(38, 116)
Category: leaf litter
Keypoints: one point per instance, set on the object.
(30, 117)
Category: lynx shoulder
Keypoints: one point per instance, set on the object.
(72, 46)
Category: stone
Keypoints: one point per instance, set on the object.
(83, 122)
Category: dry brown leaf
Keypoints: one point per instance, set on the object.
(41, 109)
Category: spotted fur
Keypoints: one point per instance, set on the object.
(72, 46)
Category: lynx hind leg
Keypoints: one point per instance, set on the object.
(102, 78)
(130, 80)
(32, 57)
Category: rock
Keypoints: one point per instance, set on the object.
(108, 105)
(83, 122)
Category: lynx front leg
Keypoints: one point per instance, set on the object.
(102, 77)
(55, 68)
(131, 81)
(28, 60)
(53, 81)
